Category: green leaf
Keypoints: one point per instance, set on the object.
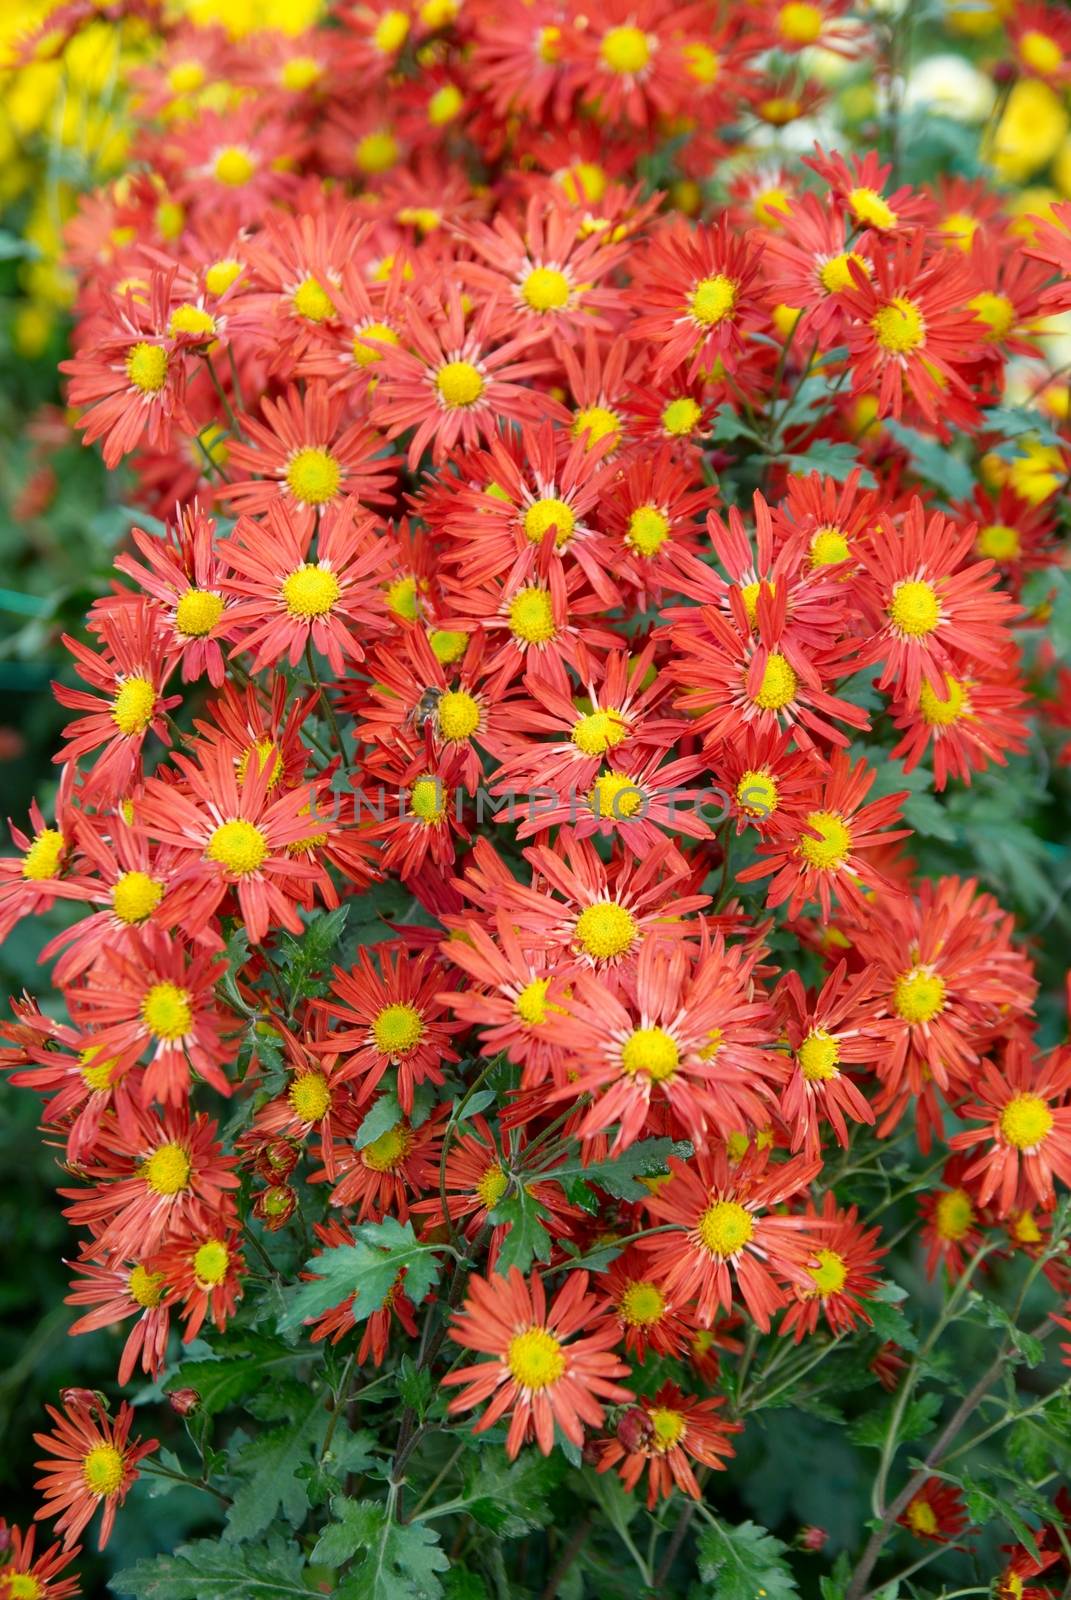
(512, 1500)
(415, 1385)
(919, 1418)
(367, 1270)
(247, 1363)
(744, 1562)
(402, 1562)
(729, 425)
(620, 1176)
(209, 1569)
(527, 1239)
(272, 1465)
(836, 461)
(306, 956)
(932, 462)
(889, 1322)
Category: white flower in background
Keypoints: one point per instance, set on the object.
(951, 86)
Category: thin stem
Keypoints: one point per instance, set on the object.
(341, 1399)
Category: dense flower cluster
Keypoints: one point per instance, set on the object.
(550, 547)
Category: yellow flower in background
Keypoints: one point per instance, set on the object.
(1034, 125)
(976, 19)
(240, 17)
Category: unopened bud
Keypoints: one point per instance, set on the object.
(184, 1401)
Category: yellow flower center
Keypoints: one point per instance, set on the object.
(428, 799)
(681, 416)
(651, 1051)
(942, 713)
(545, 289)
(238, 846)
(391, 32)
(648, 530)
(921, 1516)
(669, 1428)
(531, 1004)
(642, 1304)
(615, 796)
(828, 547)
(459, 715)
(299, 73)
(535, 1359)
(96, 1075)
(221, 274)
(724, 1228)
(995, 310)
(712, 300)
(1026, 1121)
(836, 275)
(167, 1011)
(459, 384)
(402, 598)
(192, 319)
(597, 422)
(1040, 52)
(799, 23)
(397, 1030)
(376, 152)
(136, 896)
(915, 608)
(313, 476)
(756, 794)
(102, 1470)
(550, 513)
(45, 855)
(492, 1186)
(147, 1288)
(133, 706)
(197, 612)
(389, 1150)
(702, 63)
(186, 77)
(445, 104)
(234, 167)
(312, 301)
(918, 995)
(868, 207)
(898, 326)
(531, 616)
(210, 1263)
(626, 49)
(311, 591)
(167, 1170)
(265, 751)
(779, 684)
(958, 229)
(146, 367)
(953, 1214)
(831, 1272)
(310, 1096)
(833, 844)
(365, 351)
(605, 930)
(448, 645)
(999, 542)
(818, 1056)
(599, 731)
(1025, 1229)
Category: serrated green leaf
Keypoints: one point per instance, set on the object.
(919, 1419)
(834, 460)
(528, 1239)
(366, 1269)
(271, 1466)
(245, 1365)
(402, 1563)
(620, 1176)
(744, 1562)
(209, 1569)
(305, 957)
(933, 462)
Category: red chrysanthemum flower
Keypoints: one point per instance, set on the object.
(936, 1512)
(118, 1290)
(841, 1273)
(952, 1220)
(184, 573)
(658, 1436)
(202, 1273)
(826, 1034)
(94, 1463)
(698, 296)
(24, 1576)
(1027, 1128)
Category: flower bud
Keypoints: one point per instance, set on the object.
(183, 1401)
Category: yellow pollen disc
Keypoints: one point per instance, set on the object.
(915, 608)
(942, 713)
(402, 598)
(459, 384)
(146, 367)
(210, 1263)
(584, 180)
(167, 1011)
(779, 684)
(918, 995)
(427, 800)
(599, 731)
(548, 44)
(1025, 1121)
(545, 514)
(642, 1304)
(614, 796)
(221, 274)
(197, 612)
(186, 77)
(702, 63)
(953, 1215)
(818, 1056)
(995, 311)
(300, 73)
(167, 1170)
(448, 645)
(831, 1272)
(799, 23)
(724, 1228)
(397, 1030)
(367, 343)
(736, 1146)
(376, 152)
(597, 422)
(96, 1075)
(756, 794)
(234, 167)
(868, 207)
(829, 547)
(836, 274)
(531, 616)
(545, 289)
(45, 856)
(492, 1186)
(958, 229)
(626, 49)
(238, 846)
(1040, 52)
(147, 1288)
(389, 1150)
(133, 706)
(669, 1428)
(531, 1004)
(829, 851)
(445, 104)
(311, 591)
(921, 1516)
(648, 530)
(192, 319)
(459, 715)
(999, 542)
(651, 1051)
(102, 1470)
(535, 1359)
(749, 594)
(712, 300)
(136, 896)
(313, 476)
(265, 751)
(681, 416)
(311, 301)
(310, 1096)
(898, 326)
(1025, 1229)
(391, 32)
(605, 930)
